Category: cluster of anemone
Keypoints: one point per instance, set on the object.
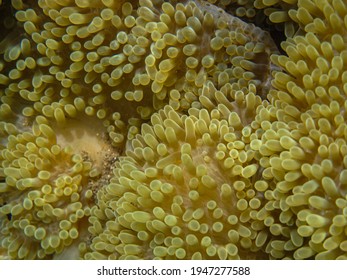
(158, 129)
(120, 62)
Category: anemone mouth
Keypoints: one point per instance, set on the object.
(86, 136)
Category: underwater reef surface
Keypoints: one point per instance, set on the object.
(173, 129)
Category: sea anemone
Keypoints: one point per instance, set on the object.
(51, 175)
(173, 129)
(190, 187)
(125, 58)
(270, 14)
(307, 159)
(43, 195)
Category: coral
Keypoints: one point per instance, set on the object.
(173, 129)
